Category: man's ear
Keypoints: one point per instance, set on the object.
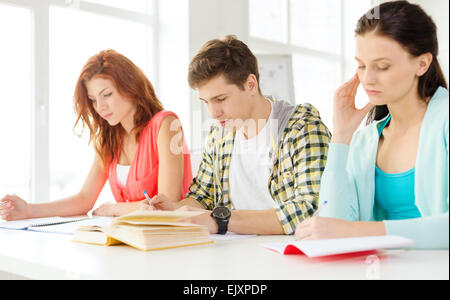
(424, 62)
(252, 84)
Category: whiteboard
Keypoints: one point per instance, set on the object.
(275, 76)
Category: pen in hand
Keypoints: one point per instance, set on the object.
(148, 200)
(316, 213)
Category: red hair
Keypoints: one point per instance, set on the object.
(130, 82)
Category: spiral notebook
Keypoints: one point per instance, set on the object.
(31, 224)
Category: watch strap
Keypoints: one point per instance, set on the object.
(222, 225)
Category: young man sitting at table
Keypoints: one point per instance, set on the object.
(263, 159)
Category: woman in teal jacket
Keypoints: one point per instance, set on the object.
(390, 177)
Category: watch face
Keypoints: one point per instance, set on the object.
(221, 212)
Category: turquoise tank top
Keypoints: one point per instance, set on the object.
(395, 192)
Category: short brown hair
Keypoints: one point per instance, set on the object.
(227, 56)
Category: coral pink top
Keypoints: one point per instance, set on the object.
(143, 174)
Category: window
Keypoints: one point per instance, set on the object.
(43, 50)
(315, 80)
(315, 25)
(133, 5)
(44, 47)
(15, 105)
(74, 37)
(319, 36)
(269, 19)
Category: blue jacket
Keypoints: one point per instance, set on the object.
(348, 182)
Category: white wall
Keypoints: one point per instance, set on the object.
(173, 59)
(209, 19)
(438, 9)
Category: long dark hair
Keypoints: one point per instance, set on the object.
(409, 25)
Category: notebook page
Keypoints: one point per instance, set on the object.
(69, 228)
(348, 245)
(24, 224)
(327, 247)
(277, 247)
(229, 236)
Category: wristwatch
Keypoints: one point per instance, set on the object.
(222, 215)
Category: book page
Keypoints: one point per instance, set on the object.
(142, 216)
(69, 228)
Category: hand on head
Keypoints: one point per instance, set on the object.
(346, 117)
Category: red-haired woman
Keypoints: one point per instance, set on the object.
(139, 146)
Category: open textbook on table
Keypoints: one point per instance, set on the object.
(147, 230)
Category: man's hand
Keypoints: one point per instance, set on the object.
(204, 219)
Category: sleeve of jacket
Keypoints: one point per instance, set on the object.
(338, 187)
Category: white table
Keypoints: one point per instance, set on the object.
(53, 256)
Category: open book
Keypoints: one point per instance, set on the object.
(147, 230)
(317, 248)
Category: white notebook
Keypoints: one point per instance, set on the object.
(65, 225)
(70, 227)
(229, 236)
(317, 248)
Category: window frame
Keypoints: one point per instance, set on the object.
(40, 139)
(289, 48)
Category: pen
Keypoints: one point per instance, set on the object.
(147, 197)
(148, 200)
(316, 213)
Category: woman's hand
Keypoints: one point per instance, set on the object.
(106, 210)
(119, 209)
(317, 228)
(14, 208)
(346, 117)
(161, 202)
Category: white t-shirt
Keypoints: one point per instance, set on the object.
(122, 174)
(250, 170)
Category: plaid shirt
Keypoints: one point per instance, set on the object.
(298, 162)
